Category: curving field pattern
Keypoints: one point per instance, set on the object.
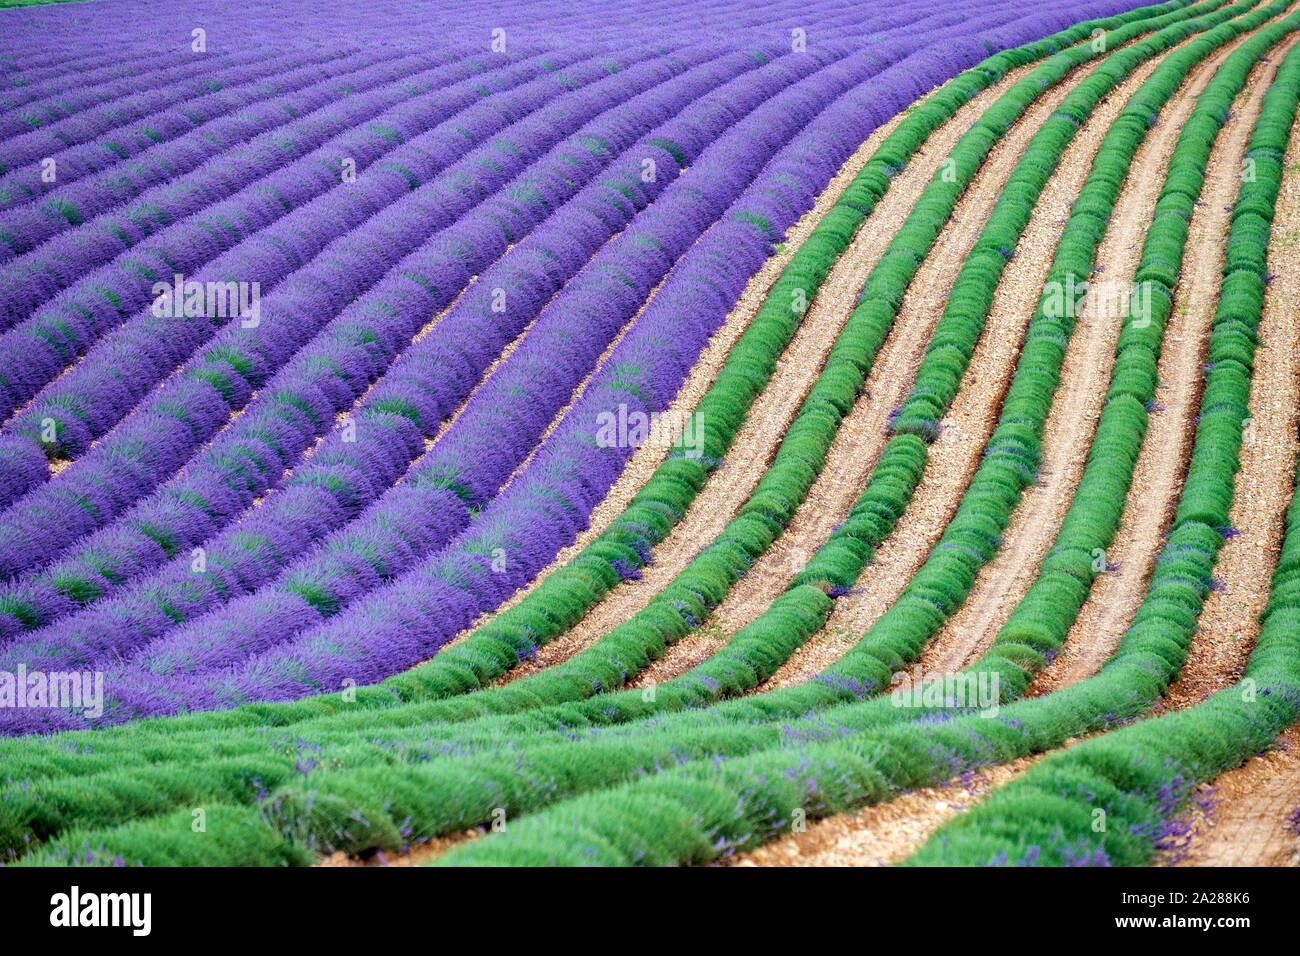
(649, 433)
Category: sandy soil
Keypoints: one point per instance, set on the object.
(955, 457)
(884, 833)
(1229, 622)
(864, 432)
(418, 855)
(889, 832)
(1249, 816)
(1076, 409)
(1246, 818)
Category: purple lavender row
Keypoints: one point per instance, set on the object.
(541, 422)
(23, 466)
(54, 66)
(101, 272)
(161, 27)
(38, 105)
(350, 265)
(521, 397)
(96, 588)
(720, 174)
(26, 142)
(722, 252)
(56, 341)
(43, 84)
(185, 230)
(85, 402)
(102, 67)
(212, 97)
(41, 281)
(20, 125)
(401, 624)
(17, 124)
(390, 22)
(531, 275)
(291, 126)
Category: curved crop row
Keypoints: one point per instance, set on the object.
(89, 142)
(351, 280)
(1140, 776)
(534, 192)
(910, 134)
(360, 508)
(675, 234)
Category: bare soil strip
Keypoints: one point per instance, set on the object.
(643, 462)
(581, 388)
(1250, 826)
(1162, 463)
(418, 855)
(884, 833)
(772, 413)
(1250, 816)
(1251, 823)
(1229, 623)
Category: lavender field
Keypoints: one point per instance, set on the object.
(615, 419)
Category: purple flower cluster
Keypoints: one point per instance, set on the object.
(84, 225)
(46, 600)
(474, 332)
(160, 435)
(507, 415)
(209, 101)
(402, 622)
